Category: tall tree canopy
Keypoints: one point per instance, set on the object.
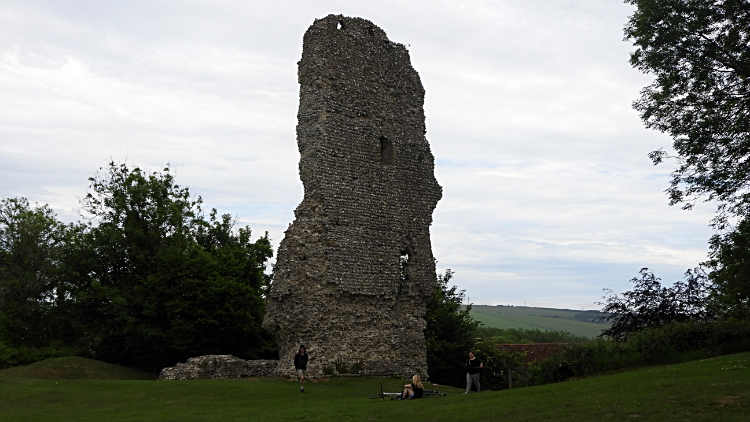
(650, 304)
(31, 240)
(449, 336)
(730, 264)
(155, 282)
(147, 282)
(698, 51)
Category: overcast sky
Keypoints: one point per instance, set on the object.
(548, 193)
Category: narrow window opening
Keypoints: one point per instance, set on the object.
(403, 262)
(340, 25)
(386, 151)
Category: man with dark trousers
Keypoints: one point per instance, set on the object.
(300, 364)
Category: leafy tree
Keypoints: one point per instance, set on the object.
(698, 52)
(30, 243)
(154, 282)
(450, 333)
(651, 305)
(730, 264)
(588, 316)
(497, 363)
(671, 343)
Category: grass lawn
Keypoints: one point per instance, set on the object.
(709, 390)
(74, 367)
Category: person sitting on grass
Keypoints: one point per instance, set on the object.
(415, 390)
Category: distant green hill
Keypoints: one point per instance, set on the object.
(575, 322)
(74, 367)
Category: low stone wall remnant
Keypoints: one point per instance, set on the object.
(218, 367)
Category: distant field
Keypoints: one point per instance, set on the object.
(708, 390)
(575, 322)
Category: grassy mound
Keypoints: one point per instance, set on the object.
(715, 389)
(74, 367)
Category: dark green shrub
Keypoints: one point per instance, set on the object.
(713, 337)
(22, 355)
(496, 363)
(650, 304)
(524, 336)
(670, 343)
(730, 270)
(449, 335)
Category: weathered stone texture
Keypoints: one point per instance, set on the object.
(369, 193)
(218, 367)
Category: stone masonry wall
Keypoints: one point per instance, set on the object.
(218, 367)
(355, 268)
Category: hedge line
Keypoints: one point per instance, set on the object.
(668, 344)
(16, 356)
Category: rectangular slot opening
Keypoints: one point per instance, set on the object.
(386, 151)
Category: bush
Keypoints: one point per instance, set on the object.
(730, 271)
(31, 243)
(712, 337)
(671, 343)
(22, 355)
(449, 335)
(650, 304)
(523, 336)
(496, 363)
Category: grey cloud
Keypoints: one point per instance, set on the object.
(548, 194)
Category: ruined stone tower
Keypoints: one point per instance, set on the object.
(355, 269)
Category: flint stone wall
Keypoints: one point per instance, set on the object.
(218, 367)
(355, 268)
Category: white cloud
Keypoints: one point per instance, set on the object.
(548, 194)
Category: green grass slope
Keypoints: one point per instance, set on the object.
(710, 390)
(494, 321)
(536, 318)
(74, 367)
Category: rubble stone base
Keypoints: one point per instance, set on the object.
(218, 367)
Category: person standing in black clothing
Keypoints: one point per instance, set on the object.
(300, 364)
(472, 372)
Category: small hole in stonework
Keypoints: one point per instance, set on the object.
(403, 264)
(370, 31)
(386, 151)
(340, 25)
(420, 157)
